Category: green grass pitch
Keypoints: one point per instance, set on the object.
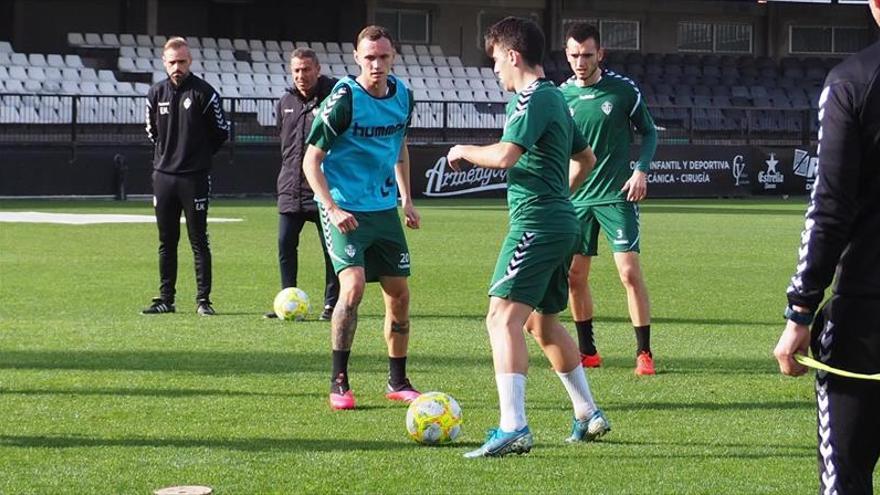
(95, 398)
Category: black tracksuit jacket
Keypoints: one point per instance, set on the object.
(294, 115)
(842, 229)
(187, 124)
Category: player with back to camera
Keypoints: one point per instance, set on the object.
(186, 123)
(295, 113)
(546, 159)
(841, 237)
(356, 162)
(606, 107)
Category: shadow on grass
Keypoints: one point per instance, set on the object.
(726, 210)
(244, 444)
(152, 392)
(709, 406)
(566, 320)
(215, 363)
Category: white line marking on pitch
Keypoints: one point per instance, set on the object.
(86, 218)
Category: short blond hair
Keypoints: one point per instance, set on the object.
(175, 43)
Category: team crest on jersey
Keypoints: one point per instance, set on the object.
(350, 250)
(187, 103)
(607, 107)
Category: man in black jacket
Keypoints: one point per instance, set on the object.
(186, 123)
(842, 236)
(296, 204)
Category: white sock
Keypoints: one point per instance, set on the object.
(575, 382)
(511, 400)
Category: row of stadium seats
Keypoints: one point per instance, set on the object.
(55, 74)
(111, 40)
(40, 60)
(14, 86)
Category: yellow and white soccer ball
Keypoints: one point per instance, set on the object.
(291, 304)
(433, 418)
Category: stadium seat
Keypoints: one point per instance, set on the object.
(143, 65)
(227, 55)
(18, 72)
(454, 61)
(88, 88)
(211, 66)
(159, 40)
(272, 46)
(409, 59)
(75, 39)
(318, 47)
(276, 80)
(240, 44)
(260, 80)
(273, 57)
(209, 54)
(110, 40)
(347, 47)
(93, 39)
(447, 83)
(106, 75)
(224, 44)
(415, 70)
(37, 60)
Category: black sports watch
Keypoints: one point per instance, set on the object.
(798, 317)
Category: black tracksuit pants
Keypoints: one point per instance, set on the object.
(290, 226)
(173, 194)
(845, 335)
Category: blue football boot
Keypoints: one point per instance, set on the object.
(587, 430)
(500, 443)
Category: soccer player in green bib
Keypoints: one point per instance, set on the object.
(606, 106)
(356, 162)
(530, 284)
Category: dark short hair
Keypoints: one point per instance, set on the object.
(374, 33)
(517, 34)
(581, 31)
(305, 53)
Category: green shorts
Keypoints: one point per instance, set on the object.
(377, 244)
(618, 221)
(532, 269)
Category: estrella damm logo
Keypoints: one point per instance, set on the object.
(376, 131)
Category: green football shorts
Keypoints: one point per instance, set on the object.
(618, 221)
(377, 244)
(532, 269)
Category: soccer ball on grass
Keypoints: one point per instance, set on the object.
(291, 304)
(433, 418)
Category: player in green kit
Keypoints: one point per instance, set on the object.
(529, 287)
(356, 162)
(606, 107)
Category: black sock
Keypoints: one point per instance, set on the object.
(643, 339)
(585, 336)
(340, 367)
(397, 371)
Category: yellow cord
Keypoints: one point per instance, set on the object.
(812, 363)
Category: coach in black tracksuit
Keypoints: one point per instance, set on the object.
(186, 123)
(842, 236)
(295, 112)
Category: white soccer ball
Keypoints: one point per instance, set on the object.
(291, 304)
(433, 418)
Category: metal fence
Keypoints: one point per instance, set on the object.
(80, 119)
